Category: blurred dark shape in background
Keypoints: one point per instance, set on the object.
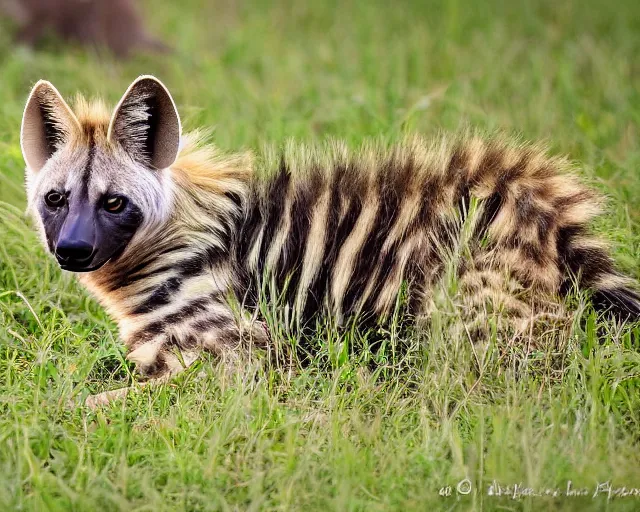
(115, 24)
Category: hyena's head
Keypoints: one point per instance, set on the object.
(95, 184)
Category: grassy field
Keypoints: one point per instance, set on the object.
(336, 435)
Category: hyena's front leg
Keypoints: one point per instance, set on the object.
(157, 361)
(161, 359)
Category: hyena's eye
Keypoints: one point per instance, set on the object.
(114, 204)
(55, 199)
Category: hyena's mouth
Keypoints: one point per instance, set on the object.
(97, 259)
(81, 266)
(77, 257)
(75, 268)
(74, 261)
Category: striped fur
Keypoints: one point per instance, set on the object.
(331, 232)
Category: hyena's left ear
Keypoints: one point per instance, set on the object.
(146, 123)
(47, 123)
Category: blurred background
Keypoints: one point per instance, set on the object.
(261, 71)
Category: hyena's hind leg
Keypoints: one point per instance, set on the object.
(480, 300)
(492, 301)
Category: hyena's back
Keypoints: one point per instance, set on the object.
(342, 233)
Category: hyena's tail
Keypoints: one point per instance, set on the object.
(586, 259)
(538, 216)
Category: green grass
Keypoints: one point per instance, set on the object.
(334, 436)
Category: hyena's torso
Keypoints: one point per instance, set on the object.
(330, 232)
(341, 235)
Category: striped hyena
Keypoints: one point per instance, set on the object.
(164, 231)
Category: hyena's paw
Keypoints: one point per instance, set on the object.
(98, 400)
(93, 402)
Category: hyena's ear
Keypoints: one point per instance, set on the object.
(146, 123)
(47, 123)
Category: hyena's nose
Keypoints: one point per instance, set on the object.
(74, 252)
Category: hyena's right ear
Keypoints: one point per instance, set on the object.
(146, 123)
(47, 123)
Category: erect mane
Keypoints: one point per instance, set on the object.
(200, 165)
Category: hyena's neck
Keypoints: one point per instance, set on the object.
(172, 287)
